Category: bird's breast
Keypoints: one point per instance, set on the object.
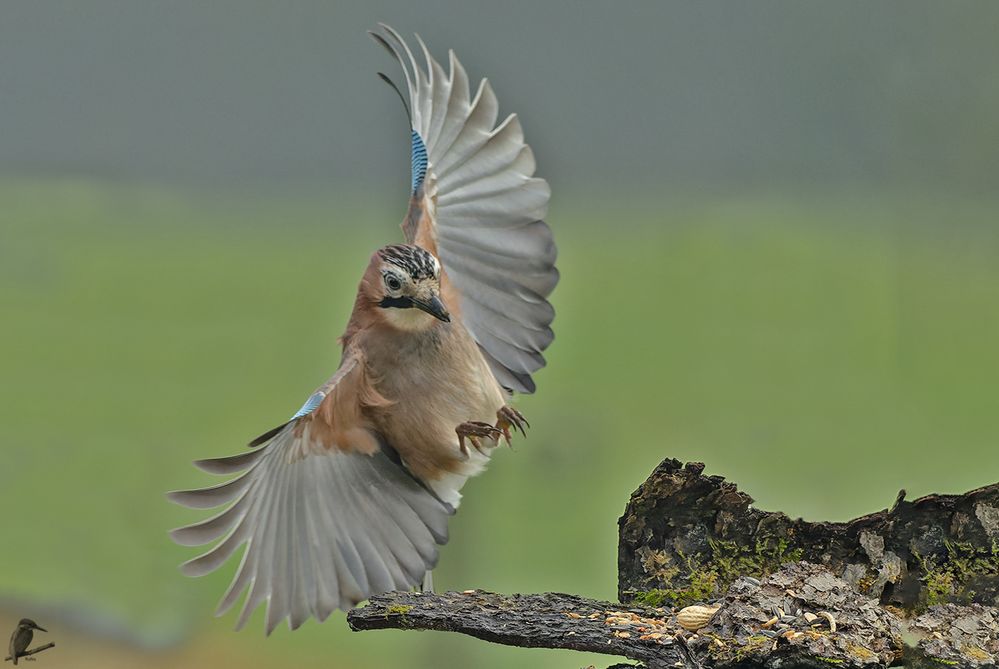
(435, 381)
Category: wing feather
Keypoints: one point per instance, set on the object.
(440, 93)
(324, 524)
(458, 107)
(477, 204)
(511, 177)
(474, 133)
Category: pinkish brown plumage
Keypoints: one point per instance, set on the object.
(351, 496)
(416, 407)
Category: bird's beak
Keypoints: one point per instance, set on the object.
(40, 628)
(434, 307)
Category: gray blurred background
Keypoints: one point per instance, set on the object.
(778, 227)
(633, 95)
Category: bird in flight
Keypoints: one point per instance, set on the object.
(352, 495)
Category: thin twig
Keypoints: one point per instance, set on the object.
(32, 651)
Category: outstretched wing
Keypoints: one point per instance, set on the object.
(476, 204)
(328, 513)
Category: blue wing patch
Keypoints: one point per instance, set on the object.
(311, 404)
(419, 160)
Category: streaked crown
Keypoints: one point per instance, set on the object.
(414, 260)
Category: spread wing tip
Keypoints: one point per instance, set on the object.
(477, 201)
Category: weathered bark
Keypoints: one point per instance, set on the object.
(547, 620)
(951, 635)
(800, 616)
(686, 537)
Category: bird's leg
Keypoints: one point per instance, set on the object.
(428, 582)
(475, 431)
(508, 417)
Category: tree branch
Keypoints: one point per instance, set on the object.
(549, 620)
(686, 536)
(788, 592)
(32, 651)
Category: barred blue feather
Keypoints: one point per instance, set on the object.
(419, 161)
(482, 209)
(311, 404)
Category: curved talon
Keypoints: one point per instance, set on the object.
(475, 431)
(508, 417)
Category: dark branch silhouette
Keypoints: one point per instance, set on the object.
(31, 652)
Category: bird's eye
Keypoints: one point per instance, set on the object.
(392, 282)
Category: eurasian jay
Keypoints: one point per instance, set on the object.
(352, 495)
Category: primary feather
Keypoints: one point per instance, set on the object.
(322, 530)
(477, 204)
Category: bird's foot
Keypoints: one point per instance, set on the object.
(475, 431)
(508, 417)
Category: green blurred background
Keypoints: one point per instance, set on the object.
(778, 228)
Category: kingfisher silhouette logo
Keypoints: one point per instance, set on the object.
(21, 639)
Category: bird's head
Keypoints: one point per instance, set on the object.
(403, 284)
(29, 624)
